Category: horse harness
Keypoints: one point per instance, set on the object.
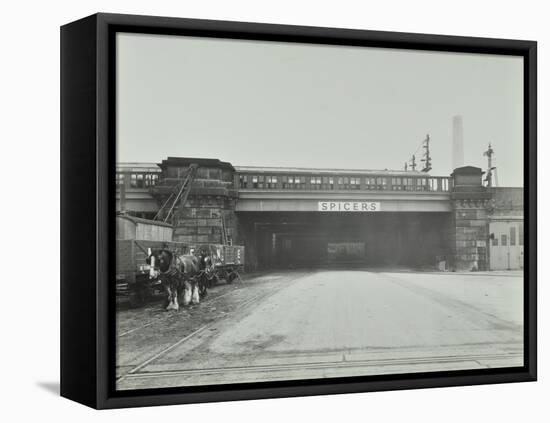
(174, 274)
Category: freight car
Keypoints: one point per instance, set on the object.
(136, 237)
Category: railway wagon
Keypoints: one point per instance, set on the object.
(136, 236)
(132, 280)
(133, 238)
(227, 262)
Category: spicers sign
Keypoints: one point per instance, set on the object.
(348, 206)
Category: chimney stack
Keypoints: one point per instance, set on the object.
(458, 142)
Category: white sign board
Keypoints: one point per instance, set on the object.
(348, 206)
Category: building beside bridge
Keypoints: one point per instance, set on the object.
(309, 216)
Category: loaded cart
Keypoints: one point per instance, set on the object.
(227, 261)
(132, 270)
(136, 237)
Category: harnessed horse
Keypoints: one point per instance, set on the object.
(180, 275)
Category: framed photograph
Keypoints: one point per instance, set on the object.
(258, 211)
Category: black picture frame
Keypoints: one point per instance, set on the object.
(87, 212)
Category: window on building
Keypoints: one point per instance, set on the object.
(293, 182)
(520, 233)
(271, 181)
(287, 181)
(343, 182)
(318, 182)
(381, 183)
(396, 184)
(513, 235)
(151, 179)
(254, 181)
(140, 180)
(327, 183)
(370, 183)
(299, 182)
(315, 182)
(355, 183)
(494, 242)
(243, 181)
(420, 184)
(503, 240)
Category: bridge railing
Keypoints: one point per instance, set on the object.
(421, 183)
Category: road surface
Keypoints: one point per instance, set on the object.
(326, 323)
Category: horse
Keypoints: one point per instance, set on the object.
(179, 274)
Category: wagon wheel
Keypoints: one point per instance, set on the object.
(136, 299)
(232, 275)
(213, 280)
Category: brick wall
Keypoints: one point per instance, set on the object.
(471, 202)
(200, 220)
(470, 234)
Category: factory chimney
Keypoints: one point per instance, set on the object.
(458, 142)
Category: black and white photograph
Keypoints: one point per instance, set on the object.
(275, 211)
(298, 211)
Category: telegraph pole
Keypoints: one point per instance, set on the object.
(413, 163)
(489, 178)
(427, 159)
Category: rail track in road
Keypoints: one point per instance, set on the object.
(312, 369)
(241, 306)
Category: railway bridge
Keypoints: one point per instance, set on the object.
(312, 216)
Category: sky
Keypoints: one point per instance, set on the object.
(256, 103)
